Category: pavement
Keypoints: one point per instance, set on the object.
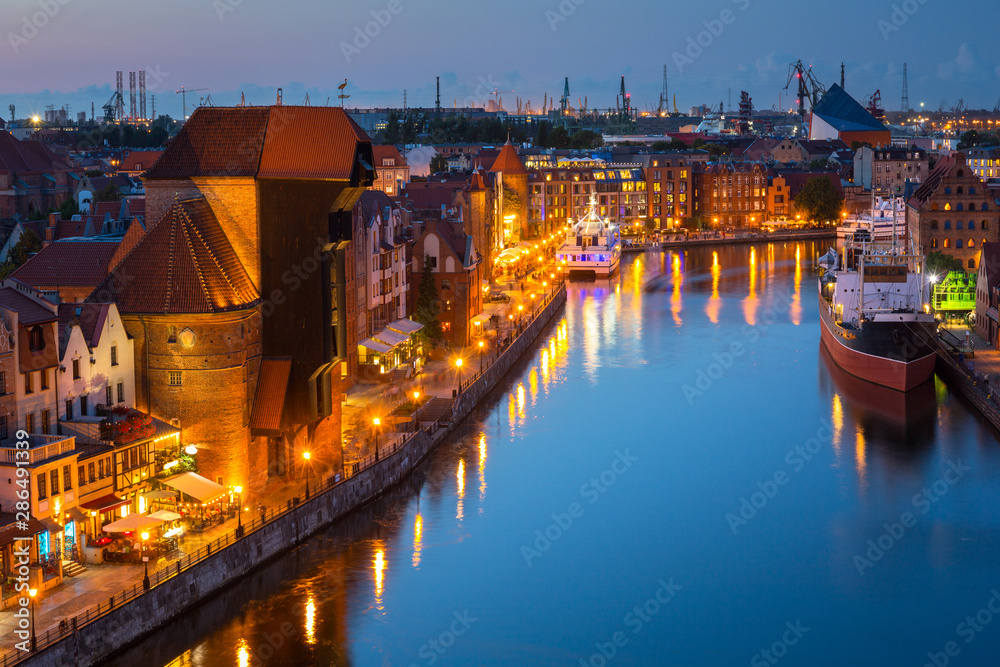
(984, 358)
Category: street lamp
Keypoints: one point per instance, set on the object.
(145, 562)
(306, 456)
(377, 422)
(458, 365)
(239, 511)
(33, 592)
(481, 356)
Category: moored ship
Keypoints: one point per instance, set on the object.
(874, 309)
(880, 221)
(593, 245)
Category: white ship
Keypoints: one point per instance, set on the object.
(878, 222)
(593, 245)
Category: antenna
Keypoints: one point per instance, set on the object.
(664, 97)
(404, 99)
(842, 75)
(437, 100)
(904, 104)
(342, 96)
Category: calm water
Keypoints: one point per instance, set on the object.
(676, 478)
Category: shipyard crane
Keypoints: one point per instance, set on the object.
(183, 93)
(873, 103)
(496, 97)
(111, 107)
(808, 85)
(996, 109)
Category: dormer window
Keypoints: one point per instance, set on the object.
(36, 339)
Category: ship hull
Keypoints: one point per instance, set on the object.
(899, 355)
(593, 269)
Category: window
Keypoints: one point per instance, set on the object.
(54, 480)
(90, 472)
(36, 339)
(40, 483)
(121, 391)
(3, 427)
(933, 243)
(947, 224)
(28, 388)
(76, 369)
(114, 355)
(175, 378)
(100, 469)
(947, 243)
(44, 375)
(81, 475)
(67, 478)
(108, 398)
(29, 422)
(972, 263)
(431, 261)
(69, 408)
(3, 382)
(947, 191)
(985, 207)
(46, 421)
(958, 243)
(934, 224)
(985, 225)
(83, 405)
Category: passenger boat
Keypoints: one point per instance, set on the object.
(593, 245)
(879, 221)
(875, 312)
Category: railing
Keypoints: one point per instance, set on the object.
(173, 568)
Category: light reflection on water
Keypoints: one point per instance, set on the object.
(607, 375)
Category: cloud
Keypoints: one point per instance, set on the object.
(964, 64)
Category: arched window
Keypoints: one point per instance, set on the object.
(972, 263)
(985, 225)
(947, 243)
(933, 243)
(934, 206)
(958, 207)
(972, 189)
(958, 243)
(934, 224)
(972, 224)
(947, 191)
(36, 339)
(960, 190)
(985, 207)
(947, 224)
(961, 173)
(947, 206)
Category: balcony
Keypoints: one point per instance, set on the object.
(40, 448)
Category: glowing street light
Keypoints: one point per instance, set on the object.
(306, 456)
(33, 592)
(481, 344)
(145, 562)
(239, 510)
(376, 422)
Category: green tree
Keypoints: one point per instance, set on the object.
(109, 193)
(69, 208)
(968, 139)
(26, 246)
(939, 264)
(439, 163)
(672, 145)
(558, 138)
(818, 200)
(426, 308)
(93, 173)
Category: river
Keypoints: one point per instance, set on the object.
(674, 477)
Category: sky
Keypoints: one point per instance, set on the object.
(67, 51)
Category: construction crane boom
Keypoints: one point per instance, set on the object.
(808, 85)
(183, 93)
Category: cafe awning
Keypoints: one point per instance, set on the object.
(165, 515)
(104, 503)
(132, 523)
(481, 318)
(51, 525)
(196, 486)
(375, 346)
(406, 326)
(12, 531)
(75, 514)
(160, 494)
(390, 337)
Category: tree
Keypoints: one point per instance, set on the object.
(69, 208)
(426, 310)
(968, 139)
(856, 145)
(26, 246)
(558, 138)
(818, 200)
(439, 163)
(939, 264)
(672, 145)
(109, 193)
(93, 173)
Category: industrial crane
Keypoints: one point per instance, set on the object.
(496, 97)
(808, 85)
(183, 92)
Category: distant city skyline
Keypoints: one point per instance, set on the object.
(62, 52)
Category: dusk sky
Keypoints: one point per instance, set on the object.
(527, 46)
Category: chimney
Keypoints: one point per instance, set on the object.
(50, 231)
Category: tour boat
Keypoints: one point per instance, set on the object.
(879, 222)
(593, 245)
(876, 321)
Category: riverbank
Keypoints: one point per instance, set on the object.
(97, 633)
(977, 380)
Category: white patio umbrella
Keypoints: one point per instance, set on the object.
(132, 523)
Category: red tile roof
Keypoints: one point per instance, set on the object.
(930, 185)
(183, 264)
(129, 241)
(103, 208)
(139, 160)
(269, 399)
(264, 142)
(508, 162)
(75, 263)
(310, 143)
(28, 156)
(28, 311)
(90, 317)
(389, 151)
(215, 142)
(69, 228)
(136, 206)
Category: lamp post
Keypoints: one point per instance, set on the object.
(416, 406)
(458, 365)
(306, 456)
(376, 422)
(239, 511)
(145, 562)
(481, 344)
(33, 592)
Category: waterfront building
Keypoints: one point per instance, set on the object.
(837, 115)
(731, 194)
(559, 195)
(670, 186)
(988, 294)
(984, 161)
(953, 212)
(512, 189)
(391, 170)
(887, 169)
